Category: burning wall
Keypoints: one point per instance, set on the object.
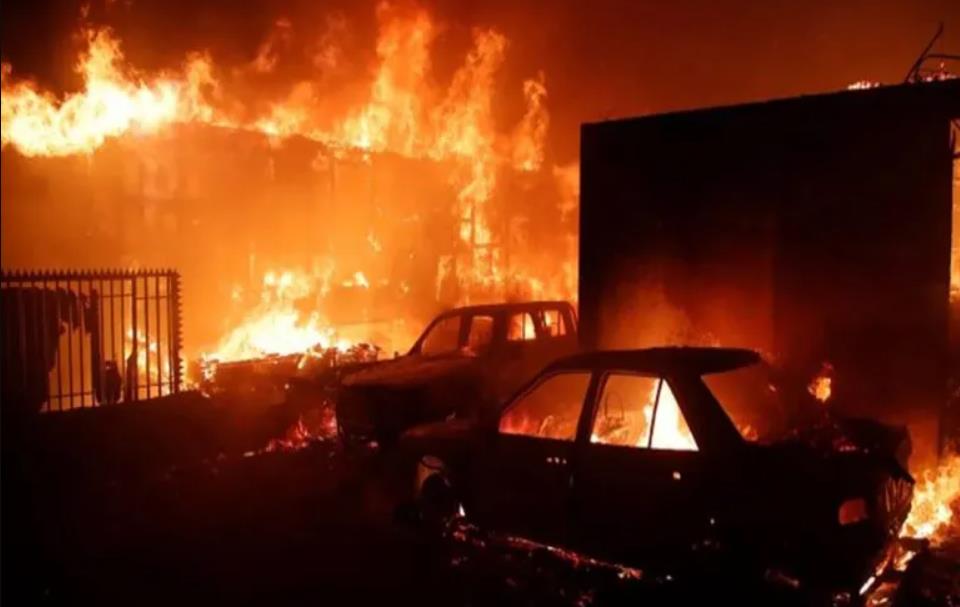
(353, 204)
(798, 227)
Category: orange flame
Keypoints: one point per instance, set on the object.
(276, 325)
(936, 499)
(821, 387)
(110, 104)
(404, 113)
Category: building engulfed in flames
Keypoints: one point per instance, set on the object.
(317, 217)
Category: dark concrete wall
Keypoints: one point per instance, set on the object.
(815, 229)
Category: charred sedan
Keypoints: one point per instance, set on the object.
(466, 361)
(661, 458)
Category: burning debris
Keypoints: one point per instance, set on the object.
(935, 513)
(822, 385)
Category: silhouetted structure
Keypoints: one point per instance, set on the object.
(814, 229)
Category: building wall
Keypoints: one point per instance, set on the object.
(814, 229)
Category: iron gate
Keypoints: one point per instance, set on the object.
(81, 339)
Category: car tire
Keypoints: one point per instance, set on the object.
(437, 500)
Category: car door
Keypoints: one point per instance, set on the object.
(529, 344)
(639, 473)
(524, 469)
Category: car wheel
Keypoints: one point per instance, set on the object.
(437, 498)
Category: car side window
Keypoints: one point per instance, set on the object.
(550, 409)
(520, 327)
(443, 337)
(632, 406)
(553, 323)
(481, 333)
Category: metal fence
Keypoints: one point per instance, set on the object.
(83, 339)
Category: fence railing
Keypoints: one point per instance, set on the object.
(87, 338)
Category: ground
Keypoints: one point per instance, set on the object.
(311, 525)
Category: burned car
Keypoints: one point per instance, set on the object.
(465, 362)
(657, 458)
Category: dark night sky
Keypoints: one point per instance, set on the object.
(602, 58)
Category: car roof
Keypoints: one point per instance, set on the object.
(497, 307)
(672, 359)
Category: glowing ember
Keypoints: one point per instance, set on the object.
(936, 499)
(822, 385)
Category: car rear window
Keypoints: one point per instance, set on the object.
(762, 408)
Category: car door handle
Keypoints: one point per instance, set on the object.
(556, 460)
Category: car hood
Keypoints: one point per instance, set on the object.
(412, 370)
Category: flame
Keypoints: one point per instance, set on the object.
(156, 367)
(405, 112)
(402, 109)
(669, 432)
(821, 386)
(276, 326)
(111, 103)
(936, 499)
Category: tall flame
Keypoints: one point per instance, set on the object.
(405, 112)
(111, 103)
(935, 511)
(276, 325)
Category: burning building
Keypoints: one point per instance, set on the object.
(343, 208)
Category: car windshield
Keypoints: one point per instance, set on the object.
(761, 404)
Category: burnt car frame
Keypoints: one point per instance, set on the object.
(467, 360)
(790, 511)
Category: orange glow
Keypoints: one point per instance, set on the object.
(821, 387)
(150, 365)
(396, 106)
(936, 500)
(955, 251)
(669, 432)
(276, 325)
(404, 112)
(670, 429)
(113, 102)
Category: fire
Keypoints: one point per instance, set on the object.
(276, 325)
(670, 430)
(936, 500)
(149, 363)
(405, 112)
(111, 103)
(821, 387)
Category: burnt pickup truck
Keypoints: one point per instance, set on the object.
(466, 361)
(660, 458)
